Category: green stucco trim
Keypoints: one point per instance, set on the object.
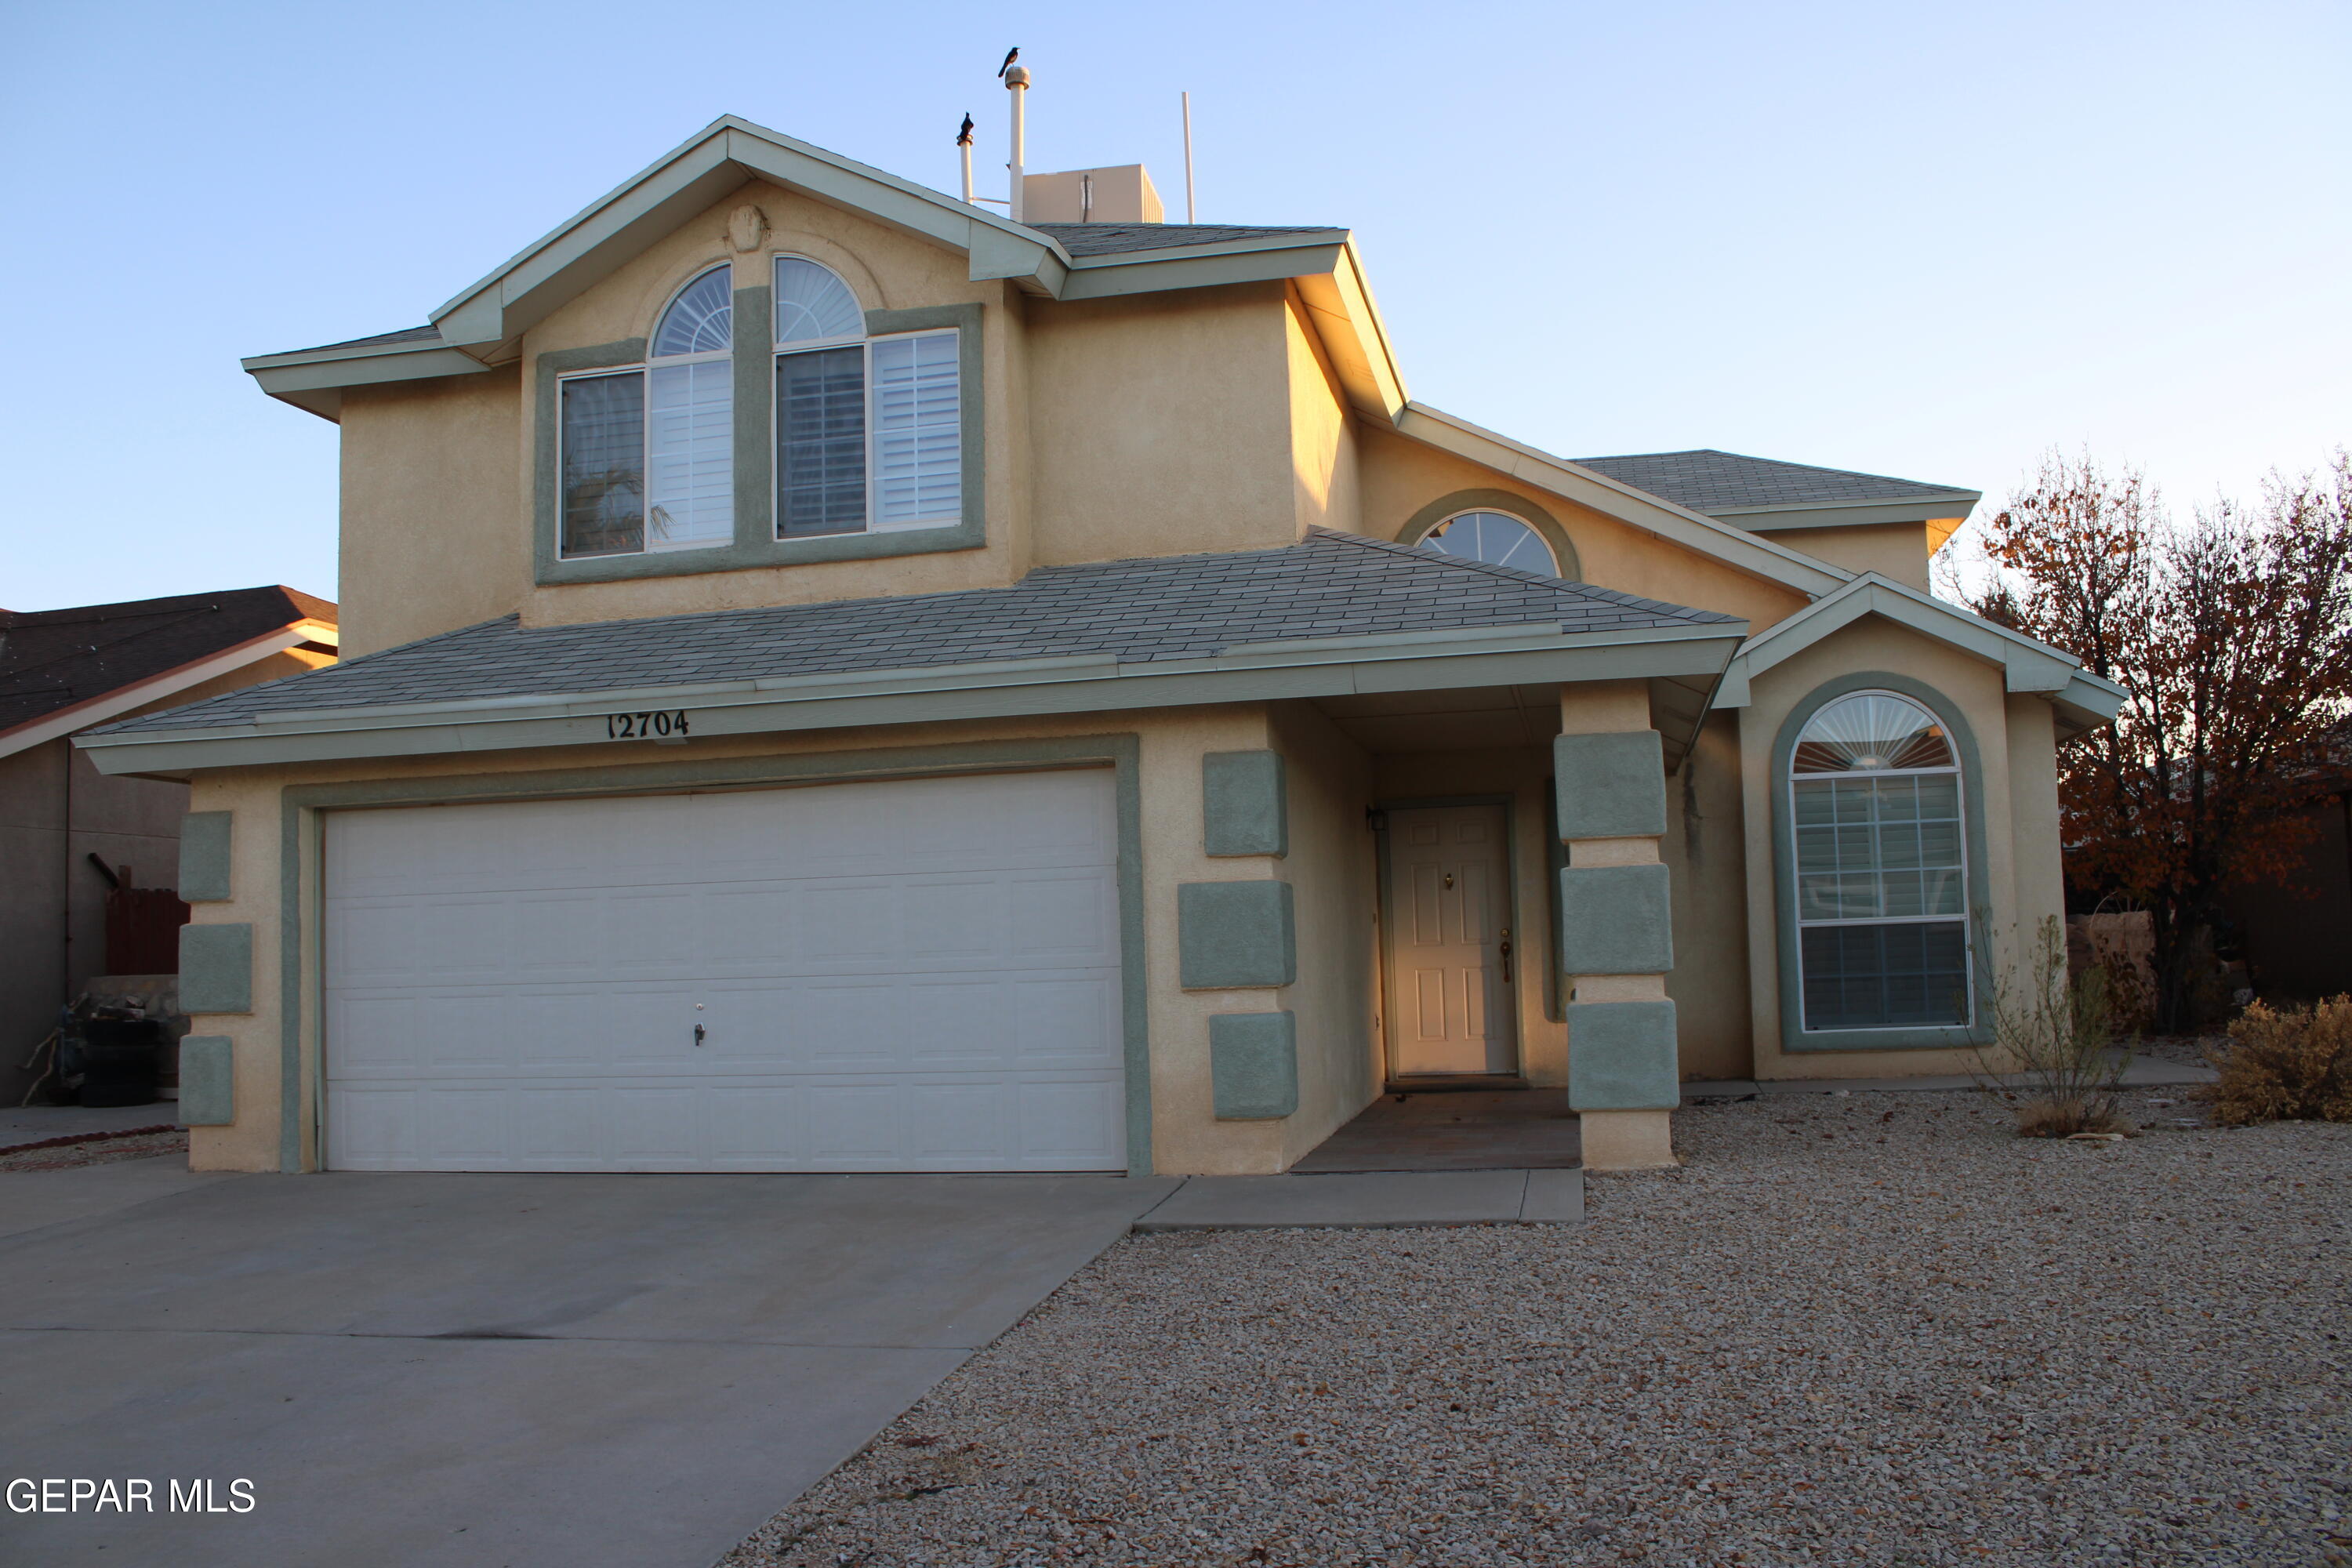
(1610, 785)
(753, 340)
(1622, 1056)
(303, 807)
(1794, 1036)
(208, 1081)
(755, 544)
(217, 968)
(1245, 803)
(1236, 935)
(204, 856)
(1572, 566)
(1555, 978)
(1254, 1066)
(1616, 920)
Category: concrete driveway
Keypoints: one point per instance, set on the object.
(511, 1369)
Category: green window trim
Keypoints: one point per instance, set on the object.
(1794, 1036)
(755, 544)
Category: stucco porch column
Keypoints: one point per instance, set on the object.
(1615, 934)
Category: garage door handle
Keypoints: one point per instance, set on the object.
(697, 1034)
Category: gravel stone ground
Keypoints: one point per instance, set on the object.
(95, 1151)
(1853, 1328)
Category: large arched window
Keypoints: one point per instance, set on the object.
(1881, 866)
(869, 431)
(1494, 537)
(648, 453)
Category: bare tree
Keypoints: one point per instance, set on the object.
(2231, 637)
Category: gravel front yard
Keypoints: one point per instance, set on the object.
(99, 1149)
(1865, 1329)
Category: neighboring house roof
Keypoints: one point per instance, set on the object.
(1120, 238)
(61, 670)
(1762, 493)
(1333, 600)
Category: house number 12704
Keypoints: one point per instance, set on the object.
(640, 726)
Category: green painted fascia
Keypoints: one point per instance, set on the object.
(302, 809)
(1976, 899)
(916, 695)
(1145, 272)
(204, 837)
(1563, 548)
(1857, 514)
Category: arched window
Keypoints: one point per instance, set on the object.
(648, 453)
(869, 431)
(1881, 866)
(1494, 537)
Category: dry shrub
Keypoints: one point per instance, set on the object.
(2290, 1066)
(2043, 1118)
(2055, 1043)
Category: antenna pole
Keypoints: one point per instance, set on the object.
(1189, 215)
(1016, 82)
(965, 148)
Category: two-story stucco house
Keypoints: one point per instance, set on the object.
(839, 680)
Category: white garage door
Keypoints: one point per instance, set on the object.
(915, 976)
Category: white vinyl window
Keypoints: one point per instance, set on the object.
(1881, 866)
(647, 454)
(869, 431)
(1494, 537)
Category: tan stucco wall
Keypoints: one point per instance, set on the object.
(1895, 549)
(1186, 1136)
(1322, 433)
(1161, 423)
(1705, 854)
(433, 532)
(1330, 869)
(1520, 775)
(1400, 477)
(2014, 865)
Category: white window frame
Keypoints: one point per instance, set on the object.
(1796, 874)
(1534, 533)
(642, 369)
(873, 464)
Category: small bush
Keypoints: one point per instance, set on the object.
(2054, 1043)
(2290, 1066)
(2040, 1117)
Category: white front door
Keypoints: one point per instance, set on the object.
(1451, 957)
(909, 975)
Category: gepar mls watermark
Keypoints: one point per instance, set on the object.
(128, 1494)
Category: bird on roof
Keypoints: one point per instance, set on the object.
(1009, 55)
(964, 136)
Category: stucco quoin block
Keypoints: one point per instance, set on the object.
(1610, 785)
(1235, 934)
(1245, 805)
(1254, 1065)
(1614, 919)
(217, 968)
(1621, 1056)
(208, 1080)
(204, 856)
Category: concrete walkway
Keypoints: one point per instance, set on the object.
(1372, 1200)
(512, 1370)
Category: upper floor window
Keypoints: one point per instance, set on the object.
(869, 431)
(1881, 866)
(649, 452)
(1495, 538)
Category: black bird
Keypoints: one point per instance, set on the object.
(1009, 55)
(964, 136)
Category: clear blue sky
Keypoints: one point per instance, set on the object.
(1927, 241)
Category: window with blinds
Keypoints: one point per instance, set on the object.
(647, 454)
(1881, 866)
(869, 431)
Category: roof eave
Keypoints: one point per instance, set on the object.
(995, 689)
(1951, 505)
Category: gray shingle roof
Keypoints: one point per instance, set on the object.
(1114, 239)
(52, 659)
(1708, 480)
(1171, 607)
